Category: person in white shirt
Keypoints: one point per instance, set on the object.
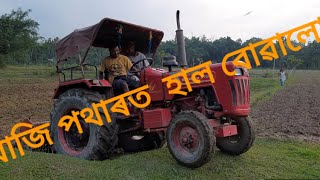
(283, 77)
(136, 56)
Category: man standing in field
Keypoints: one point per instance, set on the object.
(283, 77)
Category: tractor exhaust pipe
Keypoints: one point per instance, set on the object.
(181, 45)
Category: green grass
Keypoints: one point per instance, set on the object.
(263, 88)
(264, 83)
(19, 72)
(268, 158)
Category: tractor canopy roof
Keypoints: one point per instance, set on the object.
(103, 34)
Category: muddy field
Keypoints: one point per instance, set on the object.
(23, 96)
(293, 112)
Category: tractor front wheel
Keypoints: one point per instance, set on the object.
(240, 143)
(190, 139)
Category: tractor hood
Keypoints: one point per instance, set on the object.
(103, 34)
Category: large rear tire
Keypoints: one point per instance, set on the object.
(190, 139)
(240, 143)
(96, 142)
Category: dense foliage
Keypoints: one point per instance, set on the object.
(20, 43)
(201, 50)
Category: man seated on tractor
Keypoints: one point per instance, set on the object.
(115, 68)
(136, 56)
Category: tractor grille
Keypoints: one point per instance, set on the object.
(240, 91)
(233, 92)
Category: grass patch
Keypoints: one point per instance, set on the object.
(27, 72)
(263, 88)
(268, 158)
(22, 72)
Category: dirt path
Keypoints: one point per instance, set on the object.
(293, 112)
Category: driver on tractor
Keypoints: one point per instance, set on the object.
(136, 56)
(115, 68)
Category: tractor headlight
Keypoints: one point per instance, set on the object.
(239, 72)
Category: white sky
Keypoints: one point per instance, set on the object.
(212, 18)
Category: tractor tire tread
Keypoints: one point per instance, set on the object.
(208, 134)
(245, 144)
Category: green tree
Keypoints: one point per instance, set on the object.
(223, 46)
(200, 49)
(18, 34)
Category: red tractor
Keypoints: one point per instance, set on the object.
(212, 114)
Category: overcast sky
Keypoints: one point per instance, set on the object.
(212, 18)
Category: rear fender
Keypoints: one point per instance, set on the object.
(81, 83)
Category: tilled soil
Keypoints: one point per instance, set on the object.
(24, 98)
(294, 112)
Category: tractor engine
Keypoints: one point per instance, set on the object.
(227, 96)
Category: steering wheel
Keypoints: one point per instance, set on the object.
(150, 60)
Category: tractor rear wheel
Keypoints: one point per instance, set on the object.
(96, 142)
(190, 139)
(240, 143)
